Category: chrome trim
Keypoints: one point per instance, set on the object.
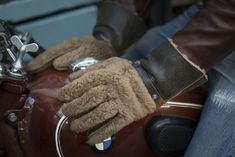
(182, 105)
(2, 70)
(11, 55)
(57, 135)
(82, 63)
(59, 127)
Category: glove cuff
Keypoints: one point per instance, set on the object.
(147, 80)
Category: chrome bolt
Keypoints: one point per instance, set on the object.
(155, 96)
(12, 117)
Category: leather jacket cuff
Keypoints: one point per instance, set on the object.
(172, 72)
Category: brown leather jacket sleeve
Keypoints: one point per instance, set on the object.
(210, 36)
(180, 64)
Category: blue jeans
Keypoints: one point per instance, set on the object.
(215, 133)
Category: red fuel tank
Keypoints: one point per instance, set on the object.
(32, 124)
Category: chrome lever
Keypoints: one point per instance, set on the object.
(33, 47)
(17, 67)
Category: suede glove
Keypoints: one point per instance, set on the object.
(64, 54)
(105, 98)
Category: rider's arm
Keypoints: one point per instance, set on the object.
(118, 22)
(180, 63)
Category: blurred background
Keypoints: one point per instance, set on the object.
(52, 21)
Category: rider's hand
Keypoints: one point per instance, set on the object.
(105, 98)
(64, 54)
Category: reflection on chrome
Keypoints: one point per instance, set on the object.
(57, 135)
(182, 105)
(82, 64)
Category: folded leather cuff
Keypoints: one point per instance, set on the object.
(172, 73)
(118, 24)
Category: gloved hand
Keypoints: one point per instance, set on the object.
(105, 97)
(64, 54)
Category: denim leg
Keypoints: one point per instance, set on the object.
(157, 35)
(215, 133)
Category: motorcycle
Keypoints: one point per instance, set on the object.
(33, 125)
